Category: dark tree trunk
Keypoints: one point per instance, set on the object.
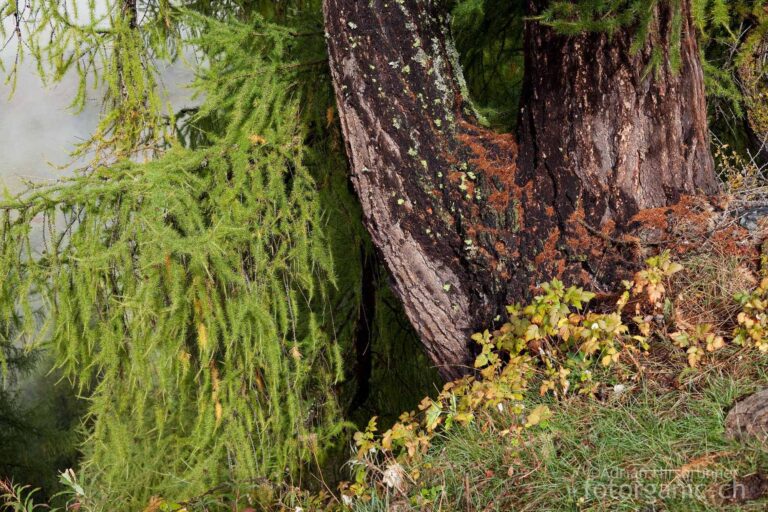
(464, 221)
(364, 332)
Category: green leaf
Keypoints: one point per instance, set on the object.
(433, 415)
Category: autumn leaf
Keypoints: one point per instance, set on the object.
(433, 415)
(219, 411)
(537, 415)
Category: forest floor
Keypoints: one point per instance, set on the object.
(622, 408)
(643, 447)
(648, 433)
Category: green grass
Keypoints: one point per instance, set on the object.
(649, 449)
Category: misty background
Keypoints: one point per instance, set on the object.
(39, 130)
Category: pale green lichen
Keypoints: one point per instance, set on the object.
(453, 57)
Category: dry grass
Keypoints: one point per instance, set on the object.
(703, 293)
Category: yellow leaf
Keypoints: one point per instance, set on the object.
(433, 415)
(674, 268)
(257, 139)
(537, 415)
(184, 357)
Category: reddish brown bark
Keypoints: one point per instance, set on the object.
(464, 222)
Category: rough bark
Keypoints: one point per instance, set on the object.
(613, 135)
(463, 221)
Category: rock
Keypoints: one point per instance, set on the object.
(749, 418)
(750, 219)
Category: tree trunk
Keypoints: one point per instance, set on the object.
(464, 221)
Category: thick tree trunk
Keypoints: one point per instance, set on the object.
(464, 222)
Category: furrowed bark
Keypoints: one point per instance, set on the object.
(614, 134)
(463, 222)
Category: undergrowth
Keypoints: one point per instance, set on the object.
(569, 409)
(639, 449)
(579, 410)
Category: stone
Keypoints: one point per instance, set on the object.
(748, 419)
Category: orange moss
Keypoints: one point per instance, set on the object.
(585, 241)
(495, 156)
(549, 252)
(696, 223)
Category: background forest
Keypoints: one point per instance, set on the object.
(198, 309)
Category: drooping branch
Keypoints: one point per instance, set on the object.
(464, 224)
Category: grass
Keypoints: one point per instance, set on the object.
(649, 449)
(704, 290)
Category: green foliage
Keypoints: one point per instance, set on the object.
(103, 46)
(610, 16)
(557, 343)
(550, 332)
(23, 498)
(733, 41)
(195, 298)
(189, 294)
(711, 17)
(37, 427)
(489, 38)
(639, 449)
(38, 430)
(607, 16)
(18, 498)
(487, 432)
(752, 329)
(732, 38)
